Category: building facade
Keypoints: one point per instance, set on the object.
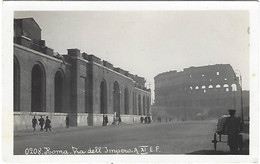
(198, 93)
(77, 84)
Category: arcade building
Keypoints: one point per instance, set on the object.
(76, 84)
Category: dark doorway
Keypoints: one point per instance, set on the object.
(126, 101)
(148, 105)
(103, 97)
(116, 99)
(16, 86)
(139, 105)
(38, 89)
(144, 109)
(59, 92)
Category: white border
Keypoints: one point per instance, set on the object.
(7, 112)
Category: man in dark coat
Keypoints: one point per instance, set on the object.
(47, 124)
(106, 120)
(67, 121)
(233, 127)
(34, 123)
(41, 123)
(142, 119)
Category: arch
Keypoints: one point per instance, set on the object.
(139, 105)
(103, 97)
(16, 86)
(59, 91)
(134, 107)
(226, 87)
(204, 89)
(126, 101)
(218, 86)
(144, 113)
(210, 86)
(234, 87)
(38, 88)
(197, 87)
(116, 99)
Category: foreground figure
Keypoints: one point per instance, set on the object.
(233, 127)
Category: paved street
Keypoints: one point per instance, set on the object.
(191, 137)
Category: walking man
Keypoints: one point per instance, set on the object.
(106, 120)
(41, 123)
(34, 123)
(47, 124)
(67, 121)
(233, 127)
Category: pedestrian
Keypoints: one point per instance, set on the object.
(67, 120)
(142, 120)
(233, 127)
(149, 119)
(145, 120)
(34, 123)
(119, 120)
(41, 123)
(47, 124)
(106, 120)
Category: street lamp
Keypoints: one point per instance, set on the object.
(241, 95)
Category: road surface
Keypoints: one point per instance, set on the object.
(190, 137)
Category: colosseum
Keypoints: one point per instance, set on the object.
(198, 93)
(76, 84)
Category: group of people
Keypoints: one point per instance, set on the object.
(146, 119)
(46, 122)
(42, 122)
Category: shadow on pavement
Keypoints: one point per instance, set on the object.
(245, 151)
(217, 152)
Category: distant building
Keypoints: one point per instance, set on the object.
(78, 84)
(198, 93)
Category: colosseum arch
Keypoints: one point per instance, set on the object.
(59, 91)
(116, 99)
(226, 87)
(16, 87)
(38, 88)
(234, 87)
(103, 97)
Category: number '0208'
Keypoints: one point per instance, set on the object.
(32, 151)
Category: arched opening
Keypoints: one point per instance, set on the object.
(126, 101)
(204, 89)
(226, 87)
(139, 105)
(59, 92)
(210, 86)
(116, 99)
(38, 89)
(144, 106)
(103, 97)
(16, 87)
(234, 87)
(134, 104)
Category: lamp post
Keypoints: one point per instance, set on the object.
(241, 96)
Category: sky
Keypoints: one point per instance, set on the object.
(147, 43)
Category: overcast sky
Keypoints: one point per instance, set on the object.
(151, 42)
